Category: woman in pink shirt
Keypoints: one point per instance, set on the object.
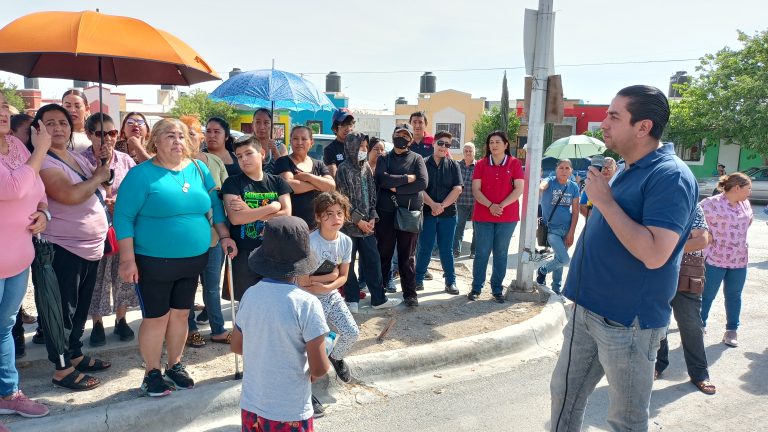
(729, 216)
(77, 230)
(497, 184)
(24, 209)
(110, 294)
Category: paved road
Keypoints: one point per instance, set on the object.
(512, 394)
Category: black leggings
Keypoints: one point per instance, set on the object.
(76, 278)
(167, 283)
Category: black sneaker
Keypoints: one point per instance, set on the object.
(452, 289)
(341, 368)
(498, 298)
(154, 385)
(472, 296)
(123, 330)
(411, 302)
(419, 286)
(98, 338)
(202, 317)
(178, 376)
(38, 338)
(427, 276)
(317, 407)
(541, 278)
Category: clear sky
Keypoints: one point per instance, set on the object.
(305, 36)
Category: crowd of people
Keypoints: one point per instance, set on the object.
(141, 215)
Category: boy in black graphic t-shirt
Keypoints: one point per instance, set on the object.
(251, 198)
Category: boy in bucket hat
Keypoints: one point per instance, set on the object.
(279, 320)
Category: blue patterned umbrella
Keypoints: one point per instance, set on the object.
(271, 88)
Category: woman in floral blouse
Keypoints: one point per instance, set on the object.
(728, 215)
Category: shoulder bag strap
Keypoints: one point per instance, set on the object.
(97, 192)
(552, 213)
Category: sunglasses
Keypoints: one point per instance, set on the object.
(135, 122)
(104, 134)
(443, 143)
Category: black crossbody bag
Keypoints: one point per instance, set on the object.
(542, 230)
(406, 219)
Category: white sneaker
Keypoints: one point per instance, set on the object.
(390, 303)
(353, 307)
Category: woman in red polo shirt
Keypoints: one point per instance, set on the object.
(497, 183)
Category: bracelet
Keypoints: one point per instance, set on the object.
(222, 238)
(46, 213)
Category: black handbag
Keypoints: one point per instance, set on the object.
(407, 220)
(542, 230)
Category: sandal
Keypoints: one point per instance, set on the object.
(98, 365)
(227, 340)
(195, 340)
(70, 382)
(705, 387)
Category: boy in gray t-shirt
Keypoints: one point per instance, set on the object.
(280, 331)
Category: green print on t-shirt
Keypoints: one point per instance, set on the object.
(255, 230)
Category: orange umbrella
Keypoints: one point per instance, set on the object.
(76, 45)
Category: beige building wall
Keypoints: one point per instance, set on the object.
(447, 107)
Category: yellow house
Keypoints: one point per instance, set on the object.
(449, 110)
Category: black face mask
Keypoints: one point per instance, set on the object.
(400, 142)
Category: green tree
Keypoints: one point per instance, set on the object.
(12, 96)
(727, 100)
(490, 121)
(197, 103)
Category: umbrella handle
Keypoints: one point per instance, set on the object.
(232, 307)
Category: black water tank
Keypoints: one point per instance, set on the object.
(80, 84)
(428, 83)
(31, 83)
(333, 82)
(167, 87)
(234, 72)
(680, 77)
(401, 101)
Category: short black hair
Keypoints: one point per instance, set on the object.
(421, 114)
(443, 134)
(501, 134)
(647, 103)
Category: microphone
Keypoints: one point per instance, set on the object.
(597, 161)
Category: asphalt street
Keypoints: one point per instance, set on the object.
(512, 394)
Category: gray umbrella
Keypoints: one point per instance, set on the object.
(48, 297)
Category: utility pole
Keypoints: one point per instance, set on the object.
(542, 68)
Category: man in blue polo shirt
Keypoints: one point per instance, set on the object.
(625, 267)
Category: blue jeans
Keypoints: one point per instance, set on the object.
(491, 237)
(625, 355)
(733, 283)
(12, 291)
(211, 278)
(556, 239)
(464, 214)
(440, 229)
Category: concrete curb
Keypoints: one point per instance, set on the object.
(223, 399)
(456, 352)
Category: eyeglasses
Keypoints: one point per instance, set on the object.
(443, 143)
(104, 134)
(135, 122)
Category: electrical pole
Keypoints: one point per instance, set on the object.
(542, 68)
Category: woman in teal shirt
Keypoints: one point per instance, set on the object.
(163, 227)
